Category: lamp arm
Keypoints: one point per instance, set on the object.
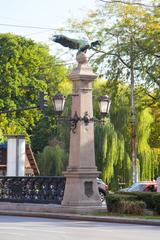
(75, 119)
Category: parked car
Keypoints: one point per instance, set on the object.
(147, 186)
(103, 189)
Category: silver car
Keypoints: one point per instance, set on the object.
(103, 189)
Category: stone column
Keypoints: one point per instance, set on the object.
(16, 155)
(158, 184)
(81, 190)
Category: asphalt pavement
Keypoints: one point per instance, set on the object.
(52, 211)
(30, 228)
(82, 217)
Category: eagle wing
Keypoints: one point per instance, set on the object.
(66, 42)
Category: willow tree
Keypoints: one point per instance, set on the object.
(111, 147)
(112, 138)
(146, 154)
(126, 48)
(52, 160)
(111, 156)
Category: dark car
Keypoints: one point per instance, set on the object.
(147, 186)
(103, 189)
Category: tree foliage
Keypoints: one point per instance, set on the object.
(146, 155)
(121, 27)
(26, 68)
(112, 139)
(129, 34)
(52, 160)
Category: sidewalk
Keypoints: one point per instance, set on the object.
(111, 219)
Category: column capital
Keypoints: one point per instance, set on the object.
(83, 72)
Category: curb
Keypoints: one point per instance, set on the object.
(79, 217)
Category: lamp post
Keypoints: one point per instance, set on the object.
(81, 190)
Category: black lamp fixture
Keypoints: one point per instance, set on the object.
(104, 104)
(59, 101)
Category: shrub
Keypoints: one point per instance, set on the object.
(132, 207)
(156, 200)
(146, 197)
(151, 199)
(113, 201)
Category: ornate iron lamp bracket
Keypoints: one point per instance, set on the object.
(75, 119)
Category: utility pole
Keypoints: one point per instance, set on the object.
(133, 118)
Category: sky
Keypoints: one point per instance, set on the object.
(40, 13)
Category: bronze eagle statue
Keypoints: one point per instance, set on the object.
(81, 44)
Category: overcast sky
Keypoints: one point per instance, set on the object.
(42, 13)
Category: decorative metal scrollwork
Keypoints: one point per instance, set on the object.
(75, 119)
(32, 189)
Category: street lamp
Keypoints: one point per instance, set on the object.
(59, 101)
(104, 103)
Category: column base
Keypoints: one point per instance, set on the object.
(83, 209)
(81, 189)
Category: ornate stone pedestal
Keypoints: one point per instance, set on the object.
(81, 190)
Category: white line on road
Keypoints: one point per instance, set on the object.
(28, 229)
(68, 228)
(12, 233)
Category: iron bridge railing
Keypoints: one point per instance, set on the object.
(32, 189)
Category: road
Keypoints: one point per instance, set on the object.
(27, 228)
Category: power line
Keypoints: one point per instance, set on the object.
(39, 32)
(37, 27)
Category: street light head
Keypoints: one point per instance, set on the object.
(59, 101)
(104, 103)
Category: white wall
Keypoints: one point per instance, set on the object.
(16, 155)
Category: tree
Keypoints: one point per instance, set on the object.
(26, 69)
(146, 154)
(126, 52)
(112, 138)
(122, 30)
(52, 160)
